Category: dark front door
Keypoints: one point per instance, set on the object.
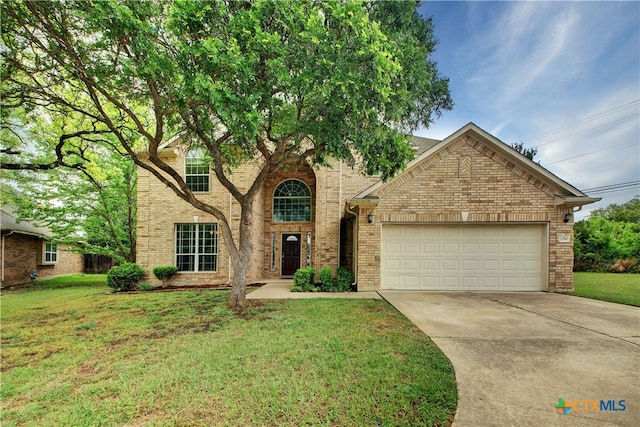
(290, 254)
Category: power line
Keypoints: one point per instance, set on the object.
(581, 121)
(612, 188)
(590, 152)
(634, 115)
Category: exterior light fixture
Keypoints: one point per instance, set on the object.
(370, 218)
(568, 217)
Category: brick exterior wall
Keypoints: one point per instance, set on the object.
(159, 209)
(468, 175)
(23, 254)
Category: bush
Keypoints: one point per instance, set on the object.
(165, 273)
(624, 265)
(124, 277)
(145, 286)
(345, 279)
(304, 280)
(327, 283)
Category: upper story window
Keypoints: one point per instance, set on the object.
(196, 170)
(50, 253)
(292, 202)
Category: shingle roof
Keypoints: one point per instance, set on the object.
(8, 222)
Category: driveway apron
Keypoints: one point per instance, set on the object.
(516, 354)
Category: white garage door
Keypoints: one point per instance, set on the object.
(464, 257)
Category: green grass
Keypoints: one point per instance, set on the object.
(620, 288)
(78, 355)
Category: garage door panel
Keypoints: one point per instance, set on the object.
(451, 282)
(392, 264)
(489, 257)
(470, 282)
(471, 265)
(510, 248)
(451, 248)
(471, 248)
(490, 265)
(432, 265)
(411, 248)
(411, 264)
(450, 264)
(510, 264)
(491, 248)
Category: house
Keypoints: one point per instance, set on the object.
(28, 253)
(468, 212)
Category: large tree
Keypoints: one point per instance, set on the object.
(92, 208)
(259, 81)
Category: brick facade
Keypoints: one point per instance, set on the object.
(159, 210)
(23, 254)
(465, 173)
(471, 176)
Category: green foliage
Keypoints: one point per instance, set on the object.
(304, 280)
(345, 279)
(626, 212)
(327, 284)
(93, 209)
(529, 153)
(602, 244)
(124, 277)
(165, 273)
(144, 286)
(284, 80)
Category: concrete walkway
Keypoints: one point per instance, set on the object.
(281, 289)
(516, 354)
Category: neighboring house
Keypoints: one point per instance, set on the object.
(28, 254)
(468, 213)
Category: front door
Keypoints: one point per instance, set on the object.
(290, 254)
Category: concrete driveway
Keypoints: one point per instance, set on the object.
(516, 354)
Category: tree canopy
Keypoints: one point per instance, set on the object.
(609, 238)
(260, 81)
(93, 209)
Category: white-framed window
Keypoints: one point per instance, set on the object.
(50, 253)
(196, 170)
(197, 247)
(292, 202)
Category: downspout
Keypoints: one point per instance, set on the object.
(3, 255)
(355, 245)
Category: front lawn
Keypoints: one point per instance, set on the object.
(614, 287)
(77, 355)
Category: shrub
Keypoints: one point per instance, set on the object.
(124, 277)
(165, 273)
(327, 283)
(303, 280)
(145, 286)
(344, 278)
(623, 265)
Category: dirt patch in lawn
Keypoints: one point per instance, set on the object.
(173, 288)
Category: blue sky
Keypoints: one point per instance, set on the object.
(563, 77)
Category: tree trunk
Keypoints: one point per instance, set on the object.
(241, 259)
(238, 286)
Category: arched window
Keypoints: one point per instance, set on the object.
(292, 202)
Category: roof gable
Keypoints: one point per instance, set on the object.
(565, 192)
